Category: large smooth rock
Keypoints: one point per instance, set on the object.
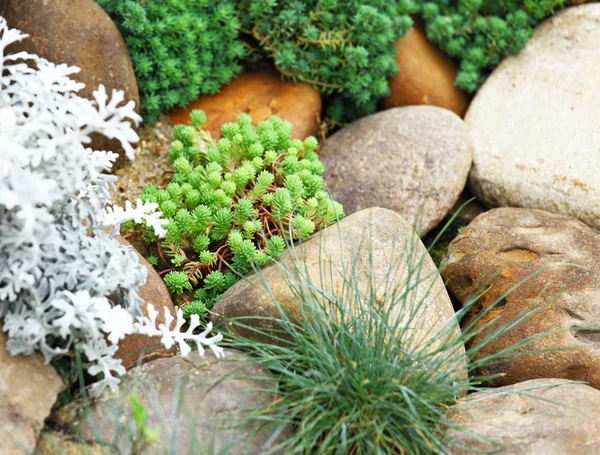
(414, 160)
(194, 402)
(534, 122)
(537, 417)
(505, 246)
(78, 33)
(425, 76)
(28, 390)
(425, 317)
(260, 94)
(154, 292)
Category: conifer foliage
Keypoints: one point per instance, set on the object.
(344, 48)
(233, 204)
(480, 33)
(180, 49)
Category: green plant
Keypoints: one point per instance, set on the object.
(232, 204)
(353, 378)
(480, 33)
(180, 49)
(341, 47)
(145, 436)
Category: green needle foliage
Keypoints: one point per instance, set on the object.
(232, 204)
(341, 47)
(480, 33)
(180, 49)
(353, 378)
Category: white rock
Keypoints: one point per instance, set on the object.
(535, 123)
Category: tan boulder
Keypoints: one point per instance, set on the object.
(198, 405)
(425, 318)
(505, 246)
(537, 417)
(414, 160)
(28, 390)
(425, 76)
(78, 33)
(260, 94)
(534, 122)
(155, 292)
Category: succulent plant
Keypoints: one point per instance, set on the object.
(232, 205)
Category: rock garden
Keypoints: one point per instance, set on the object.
(297, 227)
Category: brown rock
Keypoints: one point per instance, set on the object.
(156, 293)
(78, 33)
(375, 242)
(57, 443)
(414, 160)
(425, 76)
(472, 209)
(28, 390)
(260, 94)
(504, 246)
(537, 417)
(194, 402)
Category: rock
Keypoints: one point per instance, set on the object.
(57, 443)
(192, 401)
(414, 160)
(387, 235)
(537, 417)
(470, 211)
(150, 166)
(534, 122)
(78, 33)
(425, 76)
(260, 94)
(504, 246)
(156, 293)
(28, 390)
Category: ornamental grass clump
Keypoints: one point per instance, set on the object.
(354, 370)
(232, 204)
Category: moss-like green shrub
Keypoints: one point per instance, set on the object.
(232, 204)
(480, 33)
(180, 49)
(341, 47)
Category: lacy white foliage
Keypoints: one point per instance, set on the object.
(62, 278)
(147, 326)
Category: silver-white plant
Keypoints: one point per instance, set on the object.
(63, 280)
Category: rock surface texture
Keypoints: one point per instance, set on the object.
(28, 389)
(425, 76)
(260, 94)
(534, 122)
(414, 160)
(196, 403)
(155, 292)
(537, 417)
(505, 246)
(57, 443)
(78, 33)
(377, 232)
